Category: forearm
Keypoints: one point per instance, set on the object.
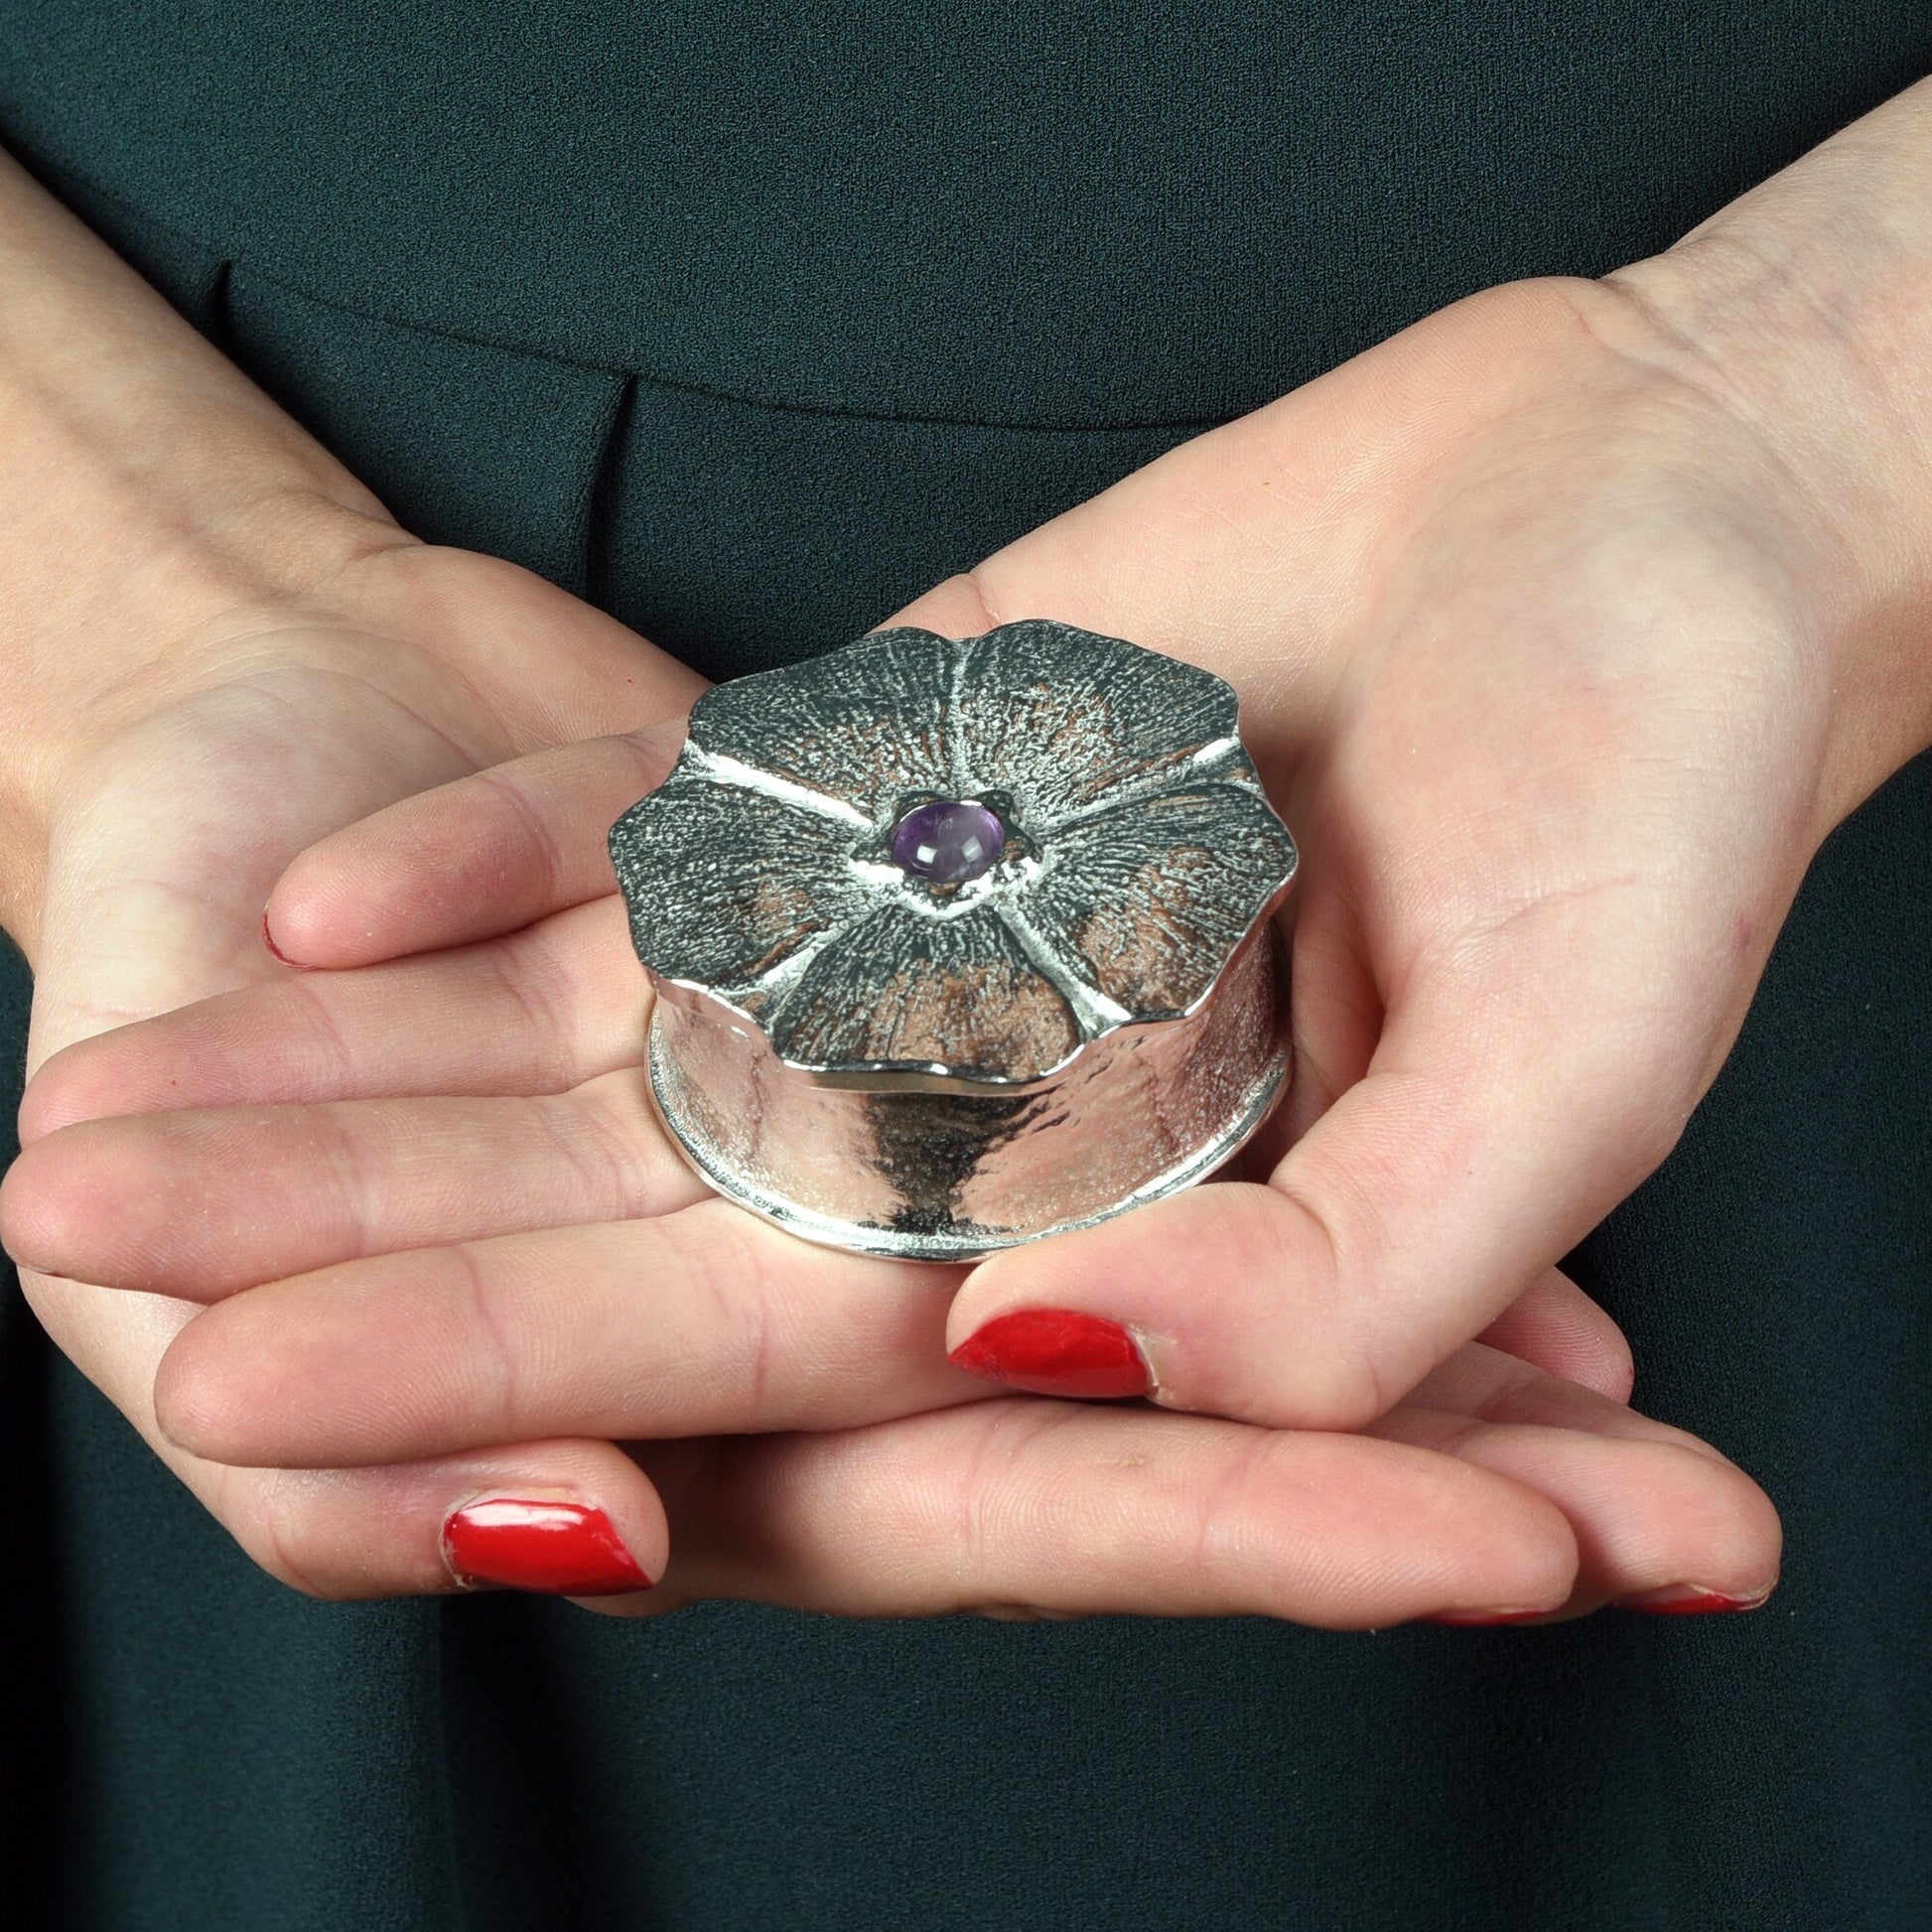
(147, 488)
(1808, 305)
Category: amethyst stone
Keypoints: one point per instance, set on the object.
(949, 841)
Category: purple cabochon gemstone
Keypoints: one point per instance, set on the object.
(948, 841)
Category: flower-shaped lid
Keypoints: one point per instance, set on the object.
(960, 861)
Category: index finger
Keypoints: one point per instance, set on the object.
(484, 856)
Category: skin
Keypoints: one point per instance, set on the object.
(1567, 624)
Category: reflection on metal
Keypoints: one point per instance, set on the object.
(881, 1055)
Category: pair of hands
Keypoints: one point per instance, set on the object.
(1543, 653)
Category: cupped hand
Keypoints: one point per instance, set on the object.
(179, 791)
(1549, 634)
(470, 1231)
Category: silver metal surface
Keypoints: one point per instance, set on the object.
(903, 1067)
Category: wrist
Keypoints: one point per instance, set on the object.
(116, 592)
(1804, 311)
(99, 636)
(149, 496)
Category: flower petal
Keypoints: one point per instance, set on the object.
(724, 882)
(904, 989)
(1060, 718)
(1148, 902)
(865, 725)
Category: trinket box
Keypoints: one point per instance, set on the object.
(959, 942)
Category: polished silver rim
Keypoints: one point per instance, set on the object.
(711, 1165)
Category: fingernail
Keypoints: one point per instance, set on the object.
(268, 940)
(1473, 1619)
(1054, 1351)
(1679, 1599)
(564, 1549)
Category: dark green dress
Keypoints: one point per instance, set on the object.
(749, 321)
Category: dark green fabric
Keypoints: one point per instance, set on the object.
(1073, 210)
(751, 321)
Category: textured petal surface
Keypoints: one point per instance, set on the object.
(865, 725)
(1147, 902)
(904, 988)
(724, 882)
(1146, 850)
(1061, 718)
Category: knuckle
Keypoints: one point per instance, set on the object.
(1311, 1246)
(198, 1405)
(33, 1220)
(539, 982)
(1352, 1389)
(989, 1524)
(271, 1516)
(76, 1084)
(600, 1144)
(976, 585)
(490, 1353)
(527, 827)
(724, 1257)
(654, 749)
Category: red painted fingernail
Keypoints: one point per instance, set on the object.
(1053, 1351)
(268, 940)
(1677, 1602)
(1473, 1619)
(566, 1549)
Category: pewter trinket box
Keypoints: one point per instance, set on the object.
(957, 944)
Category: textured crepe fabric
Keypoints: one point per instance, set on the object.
(750, 321)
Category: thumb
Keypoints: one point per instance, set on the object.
(1515, 1096)
(1526, 1075)
(1175, 557)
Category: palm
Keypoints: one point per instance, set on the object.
(1526, 658)
(509, 1308)
(176, 826)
